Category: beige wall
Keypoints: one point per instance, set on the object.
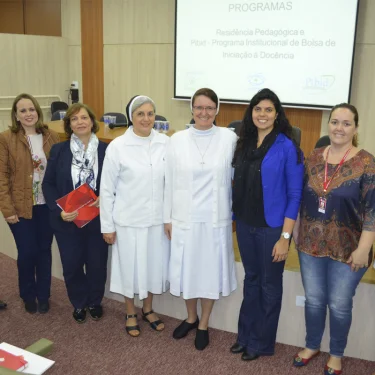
(363, 85)
(29, 64)
(71, 31)
(139, 56)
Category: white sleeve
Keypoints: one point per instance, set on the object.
(108, 184)
(168, 187)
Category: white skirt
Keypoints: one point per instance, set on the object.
(202, 261)
(140, 258)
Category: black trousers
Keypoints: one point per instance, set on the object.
(84, 256)
(33, 238)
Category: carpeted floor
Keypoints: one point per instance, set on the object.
(101, 348)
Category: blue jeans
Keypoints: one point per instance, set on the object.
(263, 288)
(33, 238)
(328, 282)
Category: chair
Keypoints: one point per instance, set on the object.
(120, 117)
(296, 134)
(237, 125)
(58, 106)
(56, 115)
(323, 141)
(160, 118)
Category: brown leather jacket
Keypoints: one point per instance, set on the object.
(16, 172)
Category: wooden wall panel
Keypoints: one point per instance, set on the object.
(308, 120)
(71, 21)
(139, 21)
(92, 54)
(366, 24)
(11, 17)
(43, 17)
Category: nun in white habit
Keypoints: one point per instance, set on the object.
(131, 213)
(197, 214)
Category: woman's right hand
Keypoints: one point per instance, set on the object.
(12, 219)
(110, 238)
(69, 216)
(168, 230)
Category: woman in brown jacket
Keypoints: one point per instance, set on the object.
(24, 150)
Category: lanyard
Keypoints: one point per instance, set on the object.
(327, 183)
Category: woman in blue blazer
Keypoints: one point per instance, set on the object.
(73, 163)
(266, 197)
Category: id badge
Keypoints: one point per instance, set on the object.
(322, 205)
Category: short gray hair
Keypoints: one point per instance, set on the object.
(138, 102)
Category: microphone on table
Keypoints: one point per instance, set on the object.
(117, 125)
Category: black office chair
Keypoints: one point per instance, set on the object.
(160, 118)
(237, 125)
(120, 117)
(56, 115)
(58, 106)
(296, 135)
(323, 141)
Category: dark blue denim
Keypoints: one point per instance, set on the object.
(263, 288)
(34, 239)
(331, 283)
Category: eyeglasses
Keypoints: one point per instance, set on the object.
(201, 109)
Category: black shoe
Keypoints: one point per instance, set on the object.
(155, 325)
(79, 315)
(201, 339)
(3, 305)
(237, 348)
(135, 329)
(96, 312)
(31, 307)
(43, 307)
(183, 329)
(249, 356)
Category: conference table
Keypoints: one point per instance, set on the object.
(104, 134)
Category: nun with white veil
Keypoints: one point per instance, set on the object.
(131, 213)
(197, 214)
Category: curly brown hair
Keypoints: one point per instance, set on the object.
(74, 109)
(16, 125)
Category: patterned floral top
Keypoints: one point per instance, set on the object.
(350, 206)
(39, 164)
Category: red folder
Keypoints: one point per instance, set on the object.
(11, 361)
(80, 199)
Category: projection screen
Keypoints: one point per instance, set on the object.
(301, 49)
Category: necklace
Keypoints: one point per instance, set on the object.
(202, 162)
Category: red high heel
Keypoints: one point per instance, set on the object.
(300, 362)
(331, 371)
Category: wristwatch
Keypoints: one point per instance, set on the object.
(285, 235)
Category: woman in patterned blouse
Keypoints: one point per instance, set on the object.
(336, 234)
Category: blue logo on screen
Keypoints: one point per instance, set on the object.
(256, 80)
(320, 83)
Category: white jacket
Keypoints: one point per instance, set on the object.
(179, 178)
(132, 183)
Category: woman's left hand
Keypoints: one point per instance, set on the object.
(358, 259)
(280, 250)
(96, 203)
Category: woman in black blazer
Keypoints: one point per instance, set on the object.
(73, 163)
